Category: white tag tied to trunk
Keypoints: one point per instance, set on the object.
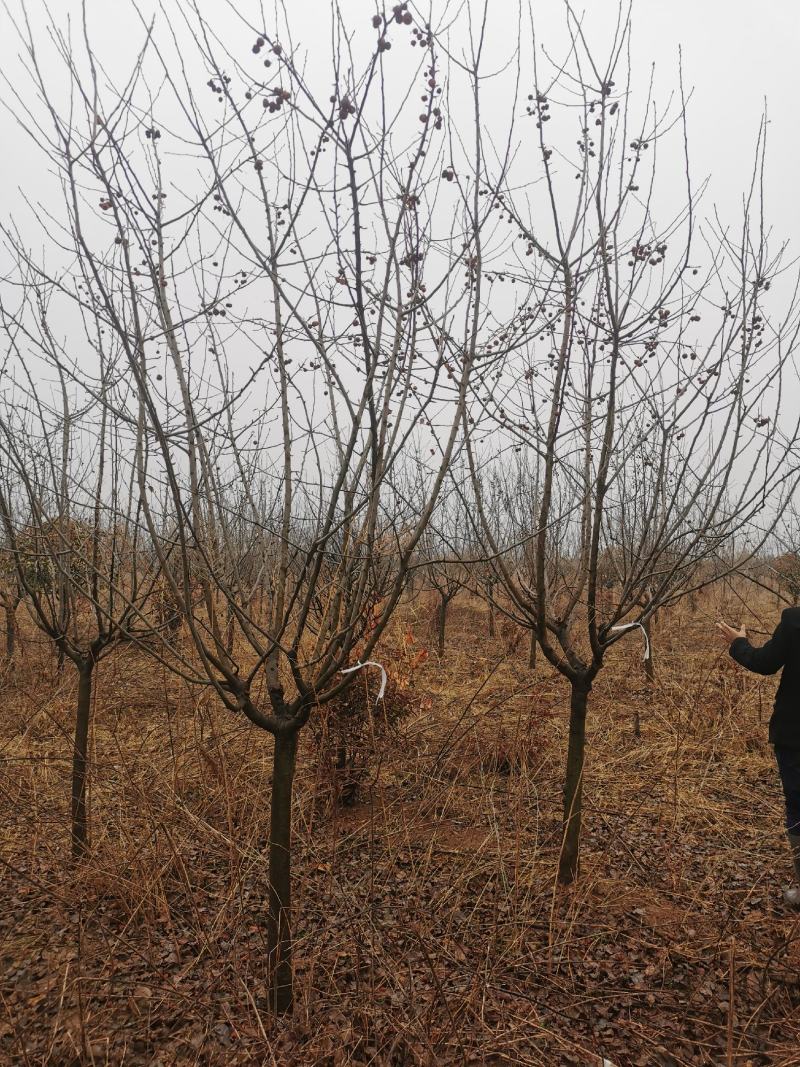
(632, 626)
(370, 663)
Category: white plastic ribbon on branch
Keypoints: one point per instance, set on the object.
(632, 626)
(370, 663)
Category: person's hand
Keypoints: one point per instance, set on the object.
(729, 633)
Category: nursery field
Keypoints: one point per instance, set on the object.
(429, 924)
(375, 388)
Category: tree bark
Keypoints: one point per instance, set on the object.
(573, 783)
(650, 674)
(11, 631)
(441, 620)
(279, 930)
(532, 651)
(229, 629)
(80, 759)
(649, 666)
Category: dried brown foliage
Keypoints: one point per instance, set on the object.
(349, 736)
(432, 928)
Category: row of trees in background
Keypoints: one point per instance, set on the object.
(289, 346)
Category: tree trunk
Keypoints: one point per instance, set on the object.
(80, 758)
(573, 783)
(279, 932)
(532, 652)
(441, 620)
(650, 675)
(492, 628)
(649, 666)
(11, 631)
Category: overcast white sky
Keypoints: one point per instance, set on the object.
(738, 57)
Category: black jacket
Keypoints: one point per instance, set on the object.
(782, 650)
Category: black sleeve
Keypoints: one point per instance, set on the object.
(765, 660)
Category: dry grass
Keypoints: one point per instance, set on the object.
(429, 927)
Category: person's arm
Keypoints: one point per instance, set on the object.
(765, 660)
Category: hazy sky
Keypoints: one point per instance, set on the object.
(738, 57)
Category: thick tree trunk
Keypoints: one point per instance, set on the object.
(80, 759)
(532, 651)
(573, 783)
(441, 621)
(279, 930)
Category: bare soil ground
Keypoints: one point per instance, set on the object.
(429, 926)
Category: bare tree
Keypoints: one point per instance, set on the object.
(295, 325)
(645, 376)
(444, 547)
(781, 568)
(73, 544)
(10, 597)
